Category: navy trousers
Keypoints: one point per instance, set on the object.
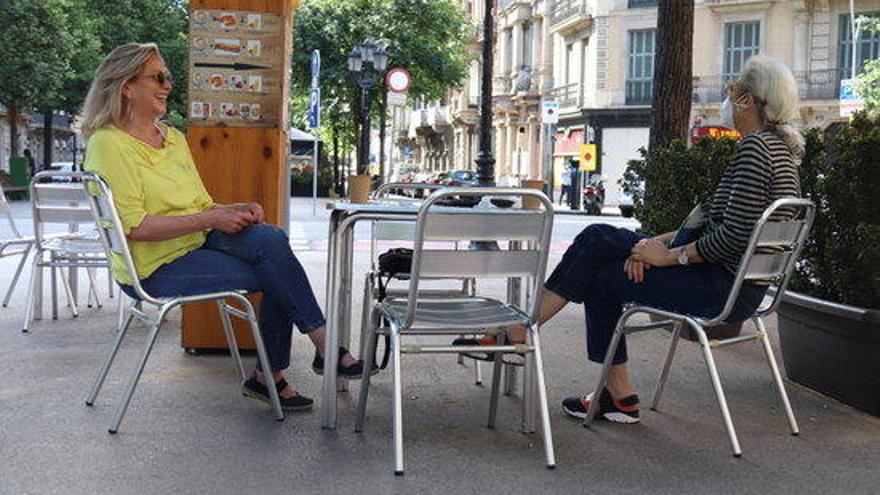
(591, 273)
(258, 258)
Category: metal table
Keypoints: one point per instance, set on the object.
(343, 218)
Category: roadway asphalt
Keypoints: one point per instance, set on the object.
(188, 429)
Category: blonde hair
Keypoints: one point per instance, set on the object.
(775, 90)
(104, 103)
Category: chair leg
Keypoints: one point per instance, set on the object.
(142, 362)
(365, 310)
(369, 339)
(262, 355)
(478, 372)
(33, 287)
(606, 367)
(53, 274)
(398, 402)
(121, 309)
(110, 283)
(542, 399)
(230, 338)
(716, 385)
(497, 371)
(93, 286)
(664, 373)
(24, 258)
(108, 360)
(777, 377)
(68, 292)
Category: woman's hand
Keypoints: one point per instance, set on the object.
(228, 219)
(635, 270)
(653, 252)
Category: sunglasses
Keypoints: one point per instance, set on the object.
(161, 77)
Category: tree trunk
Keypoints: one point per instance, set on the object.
(673, 73)
(47, 139)
(13, 131)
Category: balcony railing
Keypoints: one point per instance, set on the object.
(812, 85)
(565, 11)
(501, 86)
(568, 95)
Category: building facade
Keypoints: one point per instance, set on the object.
(604, 52)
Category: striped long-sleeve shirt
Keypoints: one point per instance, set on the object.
(762, 171)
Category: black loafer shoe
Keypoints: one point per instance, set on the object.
(256, 390)
(353, 371)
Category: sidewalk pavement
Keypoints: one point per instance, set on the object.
(189, 430)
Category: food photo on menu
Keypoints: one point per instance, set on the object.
(255, 83)
(236, 82)
(254, 22)
(228, 111)
(227, 20)
(217, 81)
(227, 46)
(253, 48)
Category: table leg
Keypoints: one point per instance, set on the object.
(331, 339)
(344, 289)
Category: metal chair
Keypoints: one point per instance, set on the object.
(770, 257)
(14, 245)
(400, 230)
(113, 239)
(415, 315)
(67, 204)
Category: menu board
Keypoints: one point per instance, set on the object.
(236, 68)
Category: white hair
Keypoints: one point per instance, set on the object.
(773, 85)
(104, 103)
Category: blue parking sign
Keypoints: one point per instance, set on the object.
(315, 108)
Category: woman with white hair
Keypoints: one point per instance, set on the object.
(690, 270)
(182, 242)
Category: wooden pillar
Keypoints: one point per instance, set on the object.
(238, 99)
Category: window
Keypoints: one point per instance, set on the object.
(638, 4)
(741, 41)
(640, 67)
(569, 59)
(527, 44)
(508, 61)
(868, 47)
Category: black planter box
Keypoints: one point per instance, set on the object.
(832, 348)
(305, 190)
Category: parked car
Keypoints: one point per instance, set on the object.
(61, 167)
(437, 178)
(461, 178)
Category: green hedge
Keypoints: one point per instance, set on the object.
(840, 173)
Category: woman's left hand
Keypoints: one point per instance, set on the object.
(653, 252)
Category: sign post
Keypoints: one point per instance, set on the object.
(315, 121)
(850, 101)
(397, 81)
(549, 119)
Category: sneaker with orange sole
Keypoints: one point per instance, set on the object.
(625, 410)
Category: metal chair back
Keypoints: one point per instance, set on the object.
(112, 233)
(58, 198)
(385, 190)
(772, 252)
(530, 229)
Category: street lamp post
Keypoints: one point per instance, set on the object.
(485, 160)
(365, 59)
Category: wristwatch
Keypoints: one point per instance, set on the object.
(683, 256)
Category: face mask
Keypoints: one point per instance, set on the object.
(727, 114)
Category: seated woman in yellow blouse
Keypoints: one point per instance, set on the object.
(182, 242)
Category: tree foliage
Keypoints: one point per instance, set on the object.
(868, 82)
(426, 37)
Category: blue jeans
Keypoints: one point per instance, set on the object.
(591, 272)
(256, 259)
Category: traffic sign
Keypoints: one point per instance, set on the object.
(850, 101)
(398, 80)
(587, 157)
(315, 108)
(550, 112)
(396, 99)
